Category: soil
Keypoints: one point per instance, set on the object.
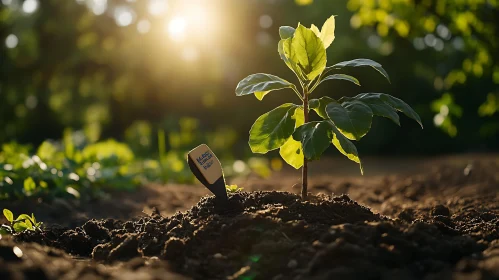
(438, 219)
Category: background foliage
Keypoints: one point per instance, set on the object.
(130, 70)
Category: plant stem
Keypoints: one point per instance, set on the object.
(304, 174)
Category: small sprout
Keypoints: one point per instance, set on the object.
(22, 223)
(233, 188)
(8, 215)
(288, 127)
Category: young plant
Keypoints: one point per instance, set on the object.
(288, 126)
(233, 188)
(22, 223)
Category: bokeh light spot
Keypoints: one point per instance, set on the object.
(263, 38)
(30, 6)
(190, 54)
(11, 41)
(143, 26)
(31, 102)
(266, 21)
(124, 16)
(157, 7)
(98, 7)
(176, 28)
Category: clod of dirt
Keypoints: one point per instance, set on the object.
(440, 210)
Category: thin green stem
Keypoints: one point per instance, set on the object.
(297, 93)
(317, 82)
(304, 174)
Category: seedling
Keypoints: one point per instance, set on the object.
(22, 223)
(233, 188)
(288, 127)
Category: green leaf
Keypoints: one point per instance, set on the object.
(342, 77)
(401, 106)
(23, 218)
(315, 138)
(286, 32)
(29, 185)
(360, 62)
(378, 106)
(260, 84)
(272, 129)
(346, 147)
(327, 32)
(5, 229)
(292, 152)
(352, 118)
(29, 225)
(307, 51)
(8, 215)
(313, 103)
(319, 105)
(316, 30)
(33, 219)
(20, 226)
(291, 64)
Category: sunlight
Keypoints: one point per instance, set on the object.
(157, 7)
(176, 28)
(193, 18)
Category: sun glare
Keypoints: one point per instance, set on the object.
(177, 27)
(192, 18)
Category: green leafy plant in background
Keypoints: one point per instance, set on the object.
(288, 127)
(450, 28)
(22, 223)
(68, 168)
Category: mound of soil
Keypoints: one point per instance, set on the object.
(274, 235)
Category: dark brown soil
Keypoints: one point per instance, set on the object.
(442, 223)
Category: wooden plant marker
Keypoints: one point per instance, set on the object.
(208, 170)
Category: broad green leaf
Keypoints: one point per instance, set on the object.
(360, 62)
(327, 32)
(346, 147)
(29, 185)
(315, 138)
(307, 51)
(342, 77)
(286, 32)
(291, 151)
(290, 63)
(402, 107)
(8, 215)
(319, 105)
(378, 106)
(20, 226)
(260, 84)
(352, 118)
(272, 129)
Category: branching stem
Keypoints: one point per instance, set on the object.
(297, 93)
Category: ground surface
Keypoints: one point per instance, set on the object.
(406, 219)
